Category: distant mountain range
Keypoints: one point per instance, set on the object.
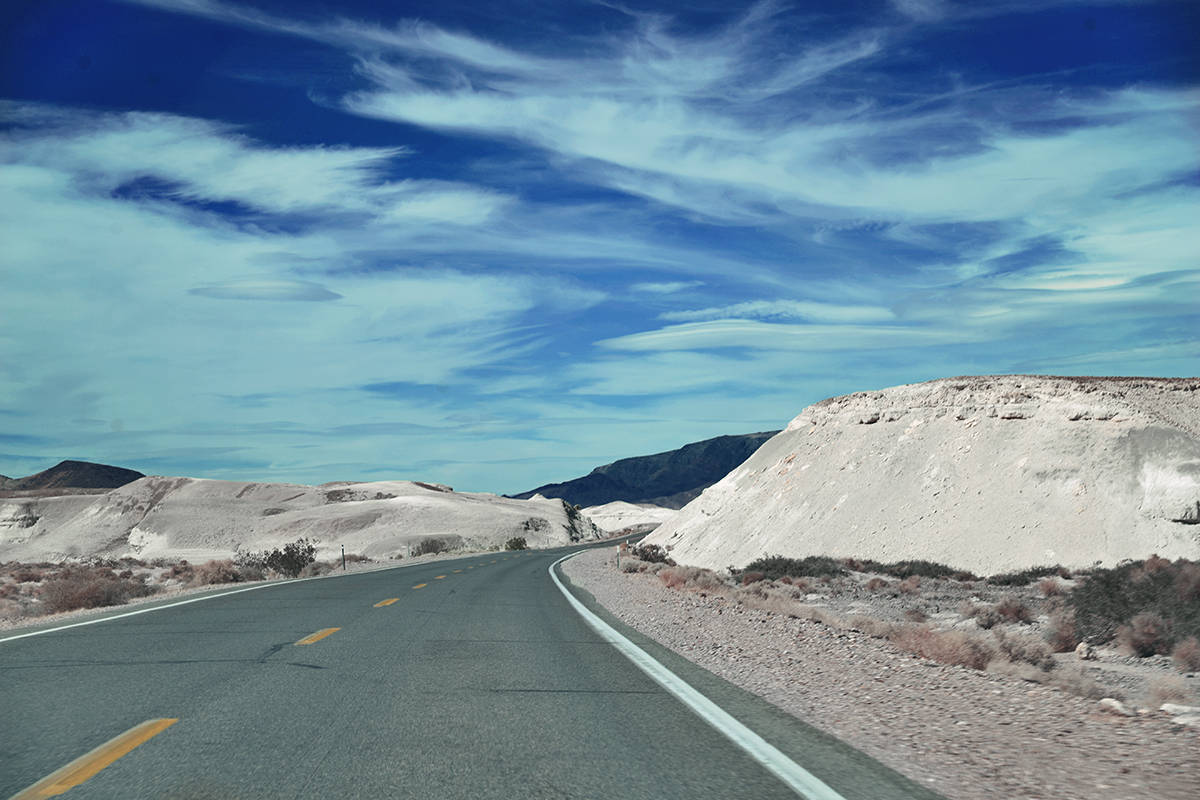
(671, 479)
(72, 475)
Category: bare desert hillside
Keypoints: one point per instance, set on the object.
(157, 517)
(986, 474)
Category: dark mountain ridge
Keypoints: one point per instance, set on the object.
(671, 479)
(72, 475)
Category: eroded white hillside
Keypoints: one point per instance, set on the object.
(986, 474)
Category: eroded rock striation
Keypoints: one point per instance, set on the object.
(987, 474)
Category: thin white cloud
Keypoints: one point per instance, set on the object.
(783, 310)
(199, 160)
(755, 335)
(265, 288)
(664, 287)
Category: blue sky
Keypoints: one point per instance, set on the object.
(497, 244)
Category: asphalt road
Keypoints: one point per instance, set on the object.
(477, 681)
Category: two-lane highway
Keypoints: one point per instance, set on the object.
(470, 677)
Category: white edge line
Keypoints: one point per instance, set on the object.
(796, 777)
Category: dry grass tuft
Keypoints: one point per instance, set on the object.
(875, 584)
(945, 647)
(1025, 649)
(1167, 689)
(915, 615)
(1050, 587)
(1187, 655)
(911, 585)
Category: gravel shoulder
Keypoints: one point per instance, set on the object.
(967, 734)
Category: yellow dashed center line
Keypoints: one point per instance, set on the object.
(439, 577)
(493, 562)
(318, 636)
(459, 570)
(86, 766)
(470, 568)
(419, 585)
(387, 602)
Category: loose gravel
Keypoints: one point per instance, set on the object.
(966, 734)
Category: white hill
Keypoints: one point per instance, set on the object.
(202, 519)
(618, 515)
(988, 474)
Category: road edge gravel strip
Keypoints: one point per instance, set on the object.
(796, 777)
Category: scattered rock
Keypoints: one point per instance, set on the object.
(1085, 652)
(1115, 706)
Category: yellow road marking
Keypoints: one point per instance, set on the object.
(419, 585)
(439, 577)
(387, 602)
(459, 570)
(470, 568)
(88, 765)
(493, 562)
(318, 636)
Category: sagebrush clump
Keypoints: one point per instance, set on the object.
(1161, 595)
(431, 547)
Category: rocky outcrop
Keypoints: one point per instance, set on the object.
(987, 474)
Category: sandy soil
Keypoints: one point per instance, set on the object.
(969, 735)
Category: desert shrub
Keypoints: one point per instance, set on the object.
(27, 574)
(1187, 654)
(183, 570)
(213, 572)
(431, 547)
(1109, 599)
(944, 647)
(1027, 576)
(1024, 649)
(987, 617)
(926, 569)
(915, 615)
(1152, 566)
(651, 553)
(906, 569)
(875, 584)
(1147, 634)
(751, 577)
(1061, 634)
(1187, 582)
(317, 568)
(290, 560)
(1050, 587)
(910, 585)
(775, 567)
(516, 543)
(1012, 609)
(251, 573)
(83, 587)
(632, 565)
(356, 557)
